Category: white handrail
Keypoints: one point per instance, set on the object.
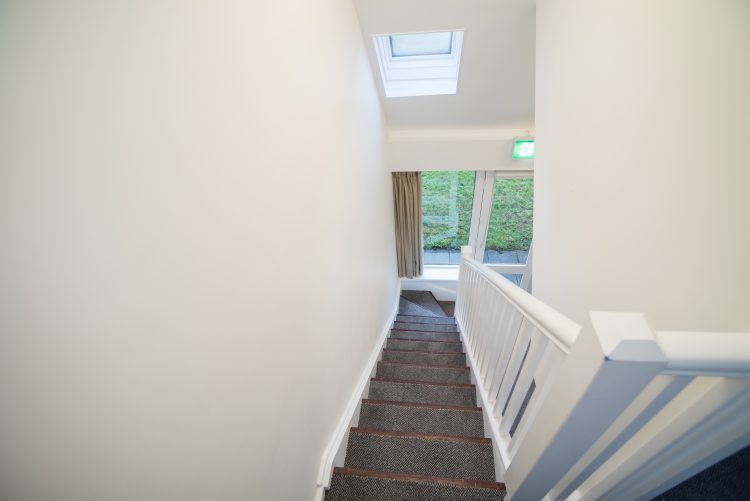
(560, 329)
(617, 410)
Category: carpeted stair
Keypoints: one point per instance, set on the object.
(423, 303)
(420, 434)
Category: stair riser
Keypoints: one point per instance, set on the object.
(423, 394)
(427, 320)
(421, 373)
(407, 357)
(427, 336)
(424, 327)
(421, 420)
(353, 488)
(444, 458)
(405, 344)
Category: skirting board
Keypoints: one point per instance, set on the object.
(336, 448)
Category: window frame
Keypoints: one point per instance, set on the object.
(423, 75)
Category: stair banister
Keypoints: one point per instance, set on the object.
(607, 368)
(615, 411)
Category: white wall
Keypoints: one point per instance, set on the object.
(197, 245)
(457, 149)
(641, 176)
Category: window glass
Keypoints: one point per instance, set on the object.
(447, 199)
(511, 223)
(421, 44)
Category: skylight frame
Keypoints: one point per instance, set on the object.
(421, 75)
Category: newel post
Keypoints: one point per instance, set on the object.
(607, 367)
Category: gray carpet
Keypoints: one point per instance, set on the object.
(406, 307)
(426, 300)
(414, 454)
(449, 307)
(423, 393)
(415, 326)
(426, 336)
(426, 320)
(426, 373)
(727, 480)
(424, 357)
(352, 487)
(420, 434)
(421, 345)
(435, 420)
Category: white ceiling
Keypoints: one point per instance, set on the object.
(496, 79)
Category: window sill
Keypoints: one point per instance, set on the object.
(440, 272)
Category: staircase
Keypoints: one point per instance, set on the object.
(420, 434)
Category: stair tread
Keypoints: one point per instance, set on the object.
(425, 406)
(423, 454)
(425, 345)
(425, 299)
(425, 436)
(452, 337)
(418, 478)
(354, 484)
(429, 358)
(428, 419)
(426, 383)
(450, 367)
(406, 307)
(423, 339)
(405, 326)
(425, 351)
(429, 318)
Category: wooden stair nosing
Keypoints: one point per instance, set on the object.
(358, 472)
(400, 403)
(426, 383)
(423, 436)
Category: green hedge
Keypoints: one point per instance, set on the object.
(511, 220)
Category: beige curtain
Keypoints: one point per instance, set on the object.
(407, 200)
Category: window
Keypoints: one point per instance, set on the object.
(511, 223)
(419, 64)
(491, 211)
(422, 44)
(447, 199)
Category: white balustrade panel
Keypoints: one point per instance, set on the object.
(617, 411)
(514, 342)
(693, 414)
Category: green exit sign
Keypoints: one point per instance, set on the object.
(524, 148)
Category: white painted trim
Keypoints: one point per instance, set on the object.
(338, 440)
(719, 354)
(494, 425)
(425, 75)
(399, 135)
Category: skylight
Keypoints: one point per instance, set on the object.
(421, 44)
(419, 64)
